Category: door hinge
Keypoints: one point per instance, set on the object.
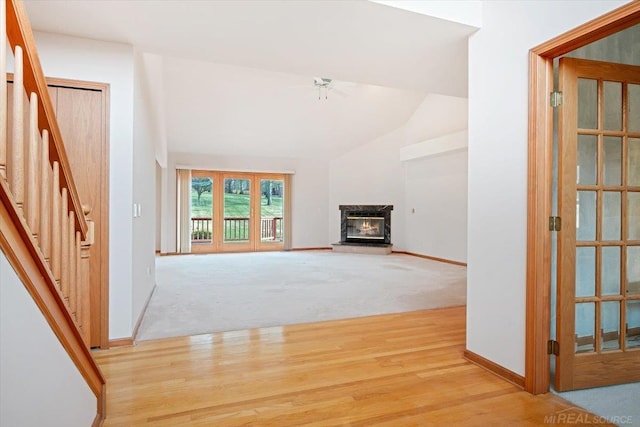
(556, 99)
(553, 347)
(555, 224)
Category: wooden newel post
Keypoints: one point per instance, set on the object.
(84, 285)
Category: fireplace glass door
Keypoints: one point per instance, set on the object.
(365, 228)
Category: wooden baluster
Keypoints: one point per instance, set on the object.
(45, 200)
(56, 230)
(71, 260)
(16, 165)
(3, 89)
(85, 276)
(64, 245)
(79, 285)
(33, 169)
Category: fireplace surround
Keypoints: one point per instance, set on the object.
(367, 225)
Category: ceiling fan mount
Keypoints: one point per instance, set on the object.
(323, 84)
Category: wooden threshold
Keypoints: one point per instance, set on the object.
(394, 369)
(121, 342)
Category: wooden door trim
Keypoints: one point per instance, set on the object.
(539, 183)
(104, 261)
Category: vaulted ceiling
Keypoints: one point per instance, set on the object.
(237, 76)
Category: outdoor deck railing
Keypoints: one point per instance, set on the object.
(235, 229)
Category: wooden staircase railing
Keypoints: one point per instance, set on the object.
(43, 229)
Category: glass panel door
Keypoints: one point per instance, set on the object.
(271, 227)
(202, 211)
(599, 244)
(237, 212)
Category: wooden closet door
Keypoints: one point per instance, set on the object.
(81, 117)
(82, 113)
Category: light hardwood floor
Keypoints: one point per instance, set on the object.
(390, 370)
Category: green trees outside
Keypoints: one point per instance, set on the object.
(201, 185)
(237, 201)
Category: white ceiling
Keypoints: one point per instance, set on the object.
(238, 74)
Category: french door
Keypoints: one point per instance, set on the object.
(237, 212)
(598, 311)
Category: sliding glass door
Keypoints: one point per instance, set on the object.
(237, 212)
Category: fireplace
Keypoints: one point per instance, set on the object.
(365, 224)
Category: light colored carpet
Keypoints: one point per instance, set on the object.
(198, 294)
(617, 404)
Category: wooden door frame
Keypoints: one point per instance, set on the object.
(104, 282)
(539, 183)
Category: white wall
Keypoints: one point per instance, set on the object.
(468, 12)
(39, 384)
(145, 138)
(436, 205)
(498, 85)
(429, 194)
(435, 218)
(91, 60)
(158, 207)
(370, 175)
(309, 202)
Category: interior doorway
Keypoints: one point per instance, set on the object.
(238, 211)
(540, 189)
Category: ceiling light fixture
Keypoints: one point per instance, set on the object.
(322, 83)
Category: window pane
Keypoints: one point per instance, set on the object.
(611, 270)
(237, 203)
(587, 160)
(201, 210)
(586, 216)
(633, 216)
(611, 209)
(633, 164)
(585, 327)
(612, 105)
(633, 270)
(271, 210)
(612, 159)
(633, 324)
(633, 94)
(585, 271)
(587, 104)
(610, 325)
